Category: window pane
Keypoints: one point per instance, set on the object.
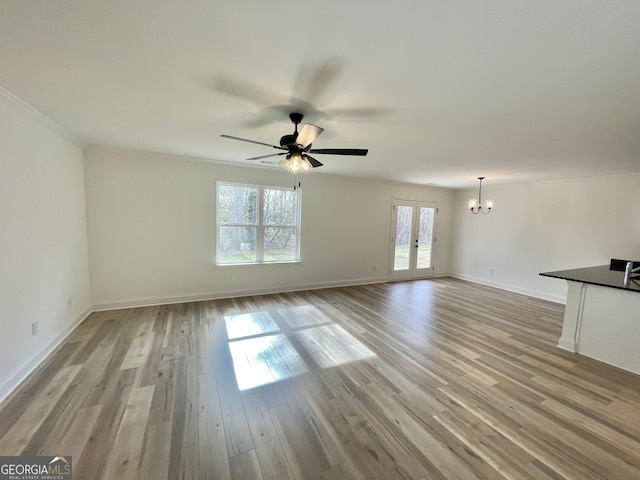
(257, 224)
(403, 238)
(279, 244)
(280, 207)
(424, 236)
(237, 204)
(237, 244)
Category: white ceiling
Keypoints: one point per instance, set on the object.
(514, 90)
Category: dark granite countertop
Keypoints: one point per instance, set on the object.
(600, 275)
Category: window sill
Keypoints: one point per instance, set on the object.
(239, 264)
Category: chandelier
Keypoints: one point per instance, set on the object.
(476, 205)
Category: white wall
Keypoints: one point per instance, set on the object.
(542, 227)
(43, 239)
(152, 229)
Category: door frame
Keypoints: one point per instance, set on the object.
(412, 272)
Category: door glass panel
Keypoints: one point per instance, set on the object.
(403, 238)
(425, 234)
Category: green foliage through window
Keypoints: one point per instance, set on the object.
(257, 224)
(237, 204)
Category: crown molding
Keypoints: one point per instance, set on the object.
(15, 102)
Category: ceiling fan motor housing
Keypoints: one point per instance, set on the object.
(287, 140)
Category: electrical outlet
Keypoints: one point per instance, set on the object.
(491, 271)
(34, 328)
(234, 277)
(374, 268)
(69, 300)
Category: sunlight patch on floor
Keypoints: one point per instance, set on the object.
(332, 345)
(303, 316)
(263, 360)
(262, 351)
(250, 324)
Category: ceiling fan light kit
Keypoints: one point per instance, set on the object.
(294, 163)
(297, 145)
(476, 207)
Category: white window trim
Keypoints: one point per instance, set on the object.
(260, 227)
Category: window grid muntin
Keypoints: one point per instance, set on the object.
(260, 226)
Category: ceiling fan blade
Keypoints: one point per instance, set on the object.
(257, 121)
(239, 88)
(361, 152)
(315, 82)
(308, 134)
(314, 163)
(252, 141)
(266, 156)
(358, 113)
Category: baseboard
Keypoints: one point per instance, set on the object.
(568, 345)
(199, 297)
(29, 365)
(511, 288)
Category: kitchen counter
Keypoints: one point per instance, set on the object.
(600, 275)
(602, 316)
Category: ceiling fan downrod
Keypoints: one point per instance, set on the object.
(287, 140)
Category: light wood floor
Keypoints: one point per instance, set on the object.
(435, 379)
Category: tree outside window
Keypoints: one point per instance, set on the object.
(257, 224)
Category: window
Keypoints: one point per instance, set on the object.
(257, 224)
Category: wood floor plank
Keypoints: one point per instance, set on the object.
(395, 416)
(124, 459)
(55, 426)
(245, 466)
(75, 438)
(236, 427)
(431, 379)
(488, 445)
(95, 455)
(269, 451)
(297, 447)
(142, 341)
(612, 436)
(18, 437)
(212, 444)
(156, 451)
(518, 430)
(189, 463)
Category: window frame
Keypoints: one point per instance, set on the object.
(259, 225)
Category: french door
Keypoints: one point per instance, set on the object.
(412, 239)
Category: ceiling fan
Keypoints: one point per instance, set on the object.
(297, 146)
(313, 86)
